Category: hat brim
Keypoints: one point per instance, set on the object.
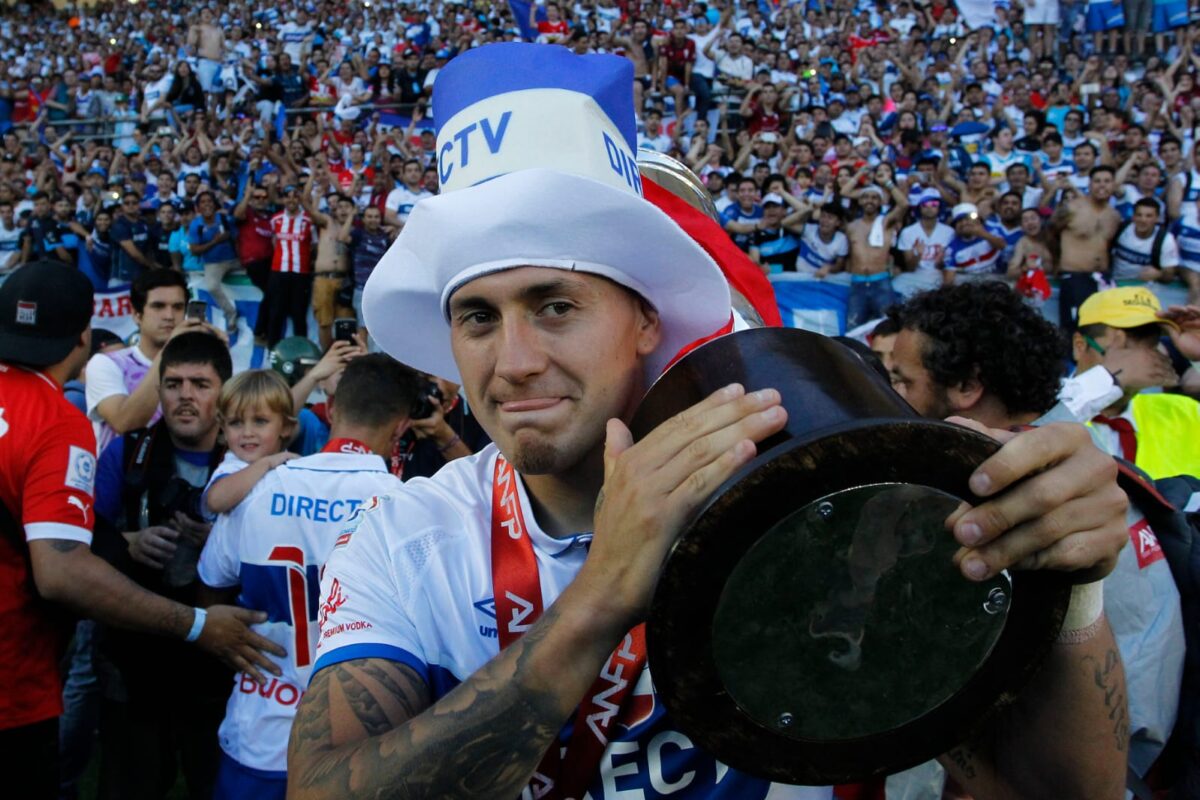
(539, 218)
(35, 351)
(1127, 321)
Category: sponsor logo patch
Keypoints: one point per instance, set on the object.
(1145, 544)
(81, 470)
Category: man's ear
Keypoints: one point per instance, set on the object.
(1078, 346)
(402, 426)
(965, 396)
(649, 328)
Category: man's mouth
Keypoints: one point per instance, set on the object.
(530, 404)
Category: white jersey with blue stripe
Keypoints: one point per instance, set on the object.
(1189, 221)
(402, 199)
(273, 544)
(816, 253)
(411, 582)
(1133, 253)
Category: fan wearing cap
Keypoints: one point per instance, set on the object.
(974, 252)
(1121, 329)
(471, 616)
(47, 475)
(774, 244)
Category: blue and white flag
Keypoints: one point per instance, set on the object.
(817, 306)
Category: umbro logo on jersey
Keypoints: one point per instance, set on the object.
(487, 608)
(3, 423)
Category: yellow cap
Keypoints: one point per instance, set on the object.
(1127, 307)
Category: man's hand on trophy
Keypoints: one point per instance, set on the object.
(1052, 502)
(652, 489)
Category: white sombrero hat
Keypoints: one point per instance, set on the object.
(536, 158)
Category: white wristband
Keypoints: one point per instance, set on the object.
(1083, 614)
(197, 624)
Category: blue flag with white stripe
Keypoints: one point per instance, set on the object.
(818, 306)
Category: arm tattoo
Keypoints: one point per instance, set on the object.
(484, 739)
(64, 545)
(1107, 678)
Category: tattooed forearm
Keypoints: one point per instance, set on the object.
(1107, 676)
(366, 728)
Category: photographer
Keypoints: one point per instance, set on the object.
(442, 430)
(148, 525)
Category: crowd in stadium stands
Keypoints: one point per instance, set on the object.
(889, 147)
(870, 138)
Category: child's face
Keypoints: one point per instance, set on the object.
(256, 433)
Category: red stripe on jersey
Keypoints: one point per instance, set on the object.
(293, 242)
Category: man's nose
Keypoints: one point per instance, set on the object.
(520, 353)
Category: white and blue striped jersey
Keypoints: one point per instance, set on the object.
(273, 545)
(976, 257)
(816, 253)
(411, 581)
(402, 199)
(1188, 232)
(1132, 253)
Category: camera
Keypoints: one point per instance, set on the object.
(179, 495)
(423, 407)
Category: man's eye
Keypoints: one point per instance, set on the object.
(475, 318)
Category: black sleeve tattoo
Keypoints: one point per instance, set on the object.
(1107, 679)
(366, 728)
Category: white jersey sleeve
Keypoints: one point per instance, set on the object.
(1169, 257)
(104, 379)
(219, 565)
(228, 466)
(362, 612)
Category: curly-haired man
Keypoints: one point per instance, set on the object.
(977, 350)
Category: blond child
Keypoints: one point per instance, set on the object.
(257, 420)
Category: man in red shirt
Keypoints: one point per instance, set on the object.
(47, 473)
(256, 246)
(290, 287)
(676, 58)
(553, 29)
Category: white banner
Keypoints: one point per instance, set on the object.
(977, 13)
(112, 311)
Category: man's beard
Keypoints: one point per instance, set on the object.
(940, 404)
(536, 458)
